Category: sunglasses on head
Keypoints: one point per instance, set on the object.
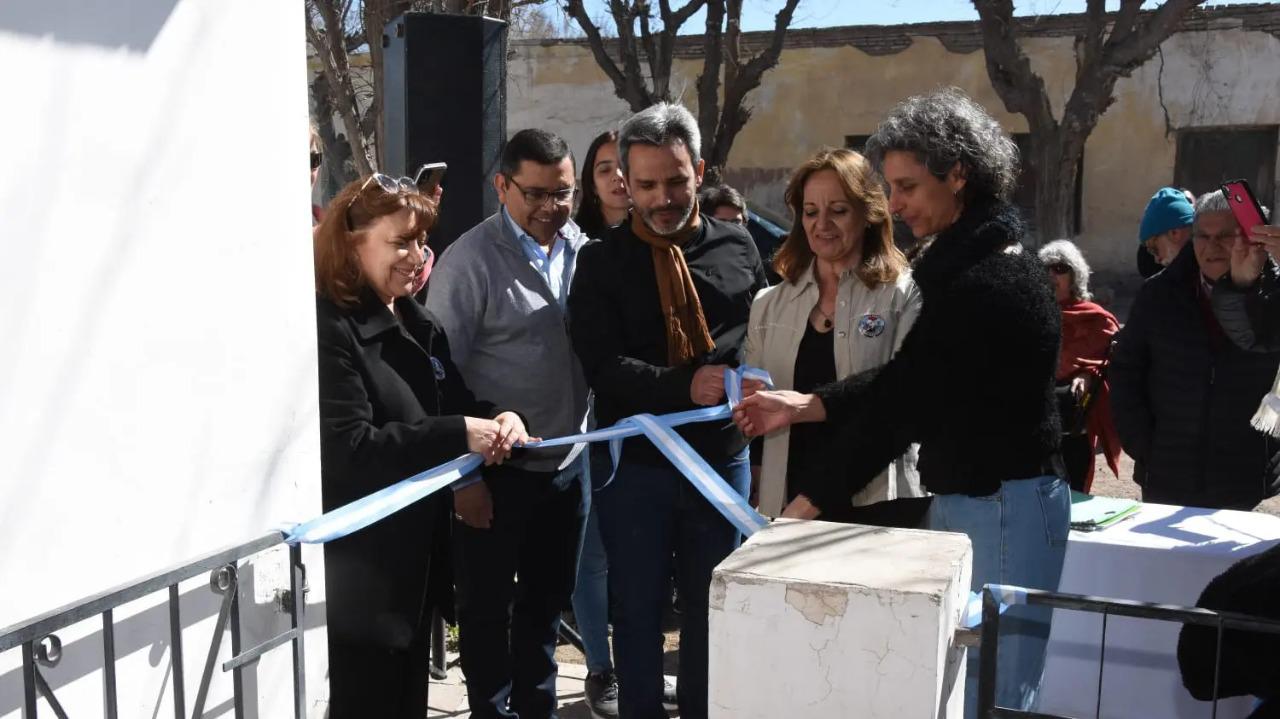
(316, 159)
(389, 184)
(1059, 268)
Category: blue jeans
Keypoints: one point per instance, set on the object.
(1019, 537)
(591, 596)
(647, 515)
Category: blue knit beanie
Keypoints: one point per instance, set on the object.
(1168, 209)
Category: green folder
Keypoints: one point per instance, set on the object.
(1089, 513)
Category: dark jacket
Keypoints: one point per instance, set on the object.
(1183, 395)
(1147, 265)
(391, 405)
(973, 381)
(1249, 659)
(1250, 316)
(619, 334)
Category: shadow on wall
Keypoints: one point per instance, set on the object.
(133, 25)
(149, 630)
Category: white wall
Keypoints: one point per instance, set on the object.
(157, 367)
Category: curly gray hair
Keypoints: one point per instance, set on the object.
(946, 127)
(662, 124)
(1067, 253)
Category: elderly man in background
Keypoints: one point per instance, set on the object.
(1182, 392)
(1165, 229)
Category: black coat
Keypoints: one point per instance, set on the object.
(391, 405)
(619, 334)
(973, 381)
(1249, 659)
(1182, 395)
(1250, 316)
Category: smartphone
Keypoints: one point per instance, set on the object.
(1244, 205)
(429, 177)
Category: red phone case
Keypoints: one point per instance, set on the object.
(1244, 205)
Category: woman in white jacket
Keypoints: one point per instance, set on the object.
(845, 305)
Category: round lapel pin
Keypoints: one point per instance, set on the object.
(871, 325)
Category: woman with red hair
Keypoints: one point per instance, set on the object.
(391, 404)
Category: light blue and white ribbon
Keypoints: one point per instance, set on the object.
(383, 503)
(658, 429)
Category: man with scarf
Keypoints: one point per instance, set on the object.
(658, 311)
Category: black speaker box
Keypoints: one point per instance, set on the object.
(445, 100)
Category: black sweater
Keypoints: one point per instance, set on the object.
(619, 334)
(973, 381)
(1182, 395)
(1250, 586)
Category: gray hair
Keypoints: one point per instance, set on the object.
(1067, 253)
(1217, 202)
(946, 127)
(658, 125)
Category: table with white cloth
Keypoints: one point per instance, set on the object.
(1162, 554)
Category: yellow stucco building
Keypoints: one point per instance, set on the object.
(1207, 105)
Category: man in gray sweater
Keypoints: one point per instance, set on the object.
(500, 292)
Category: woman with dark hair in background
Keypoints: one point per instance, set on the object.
(973, 380)
(605, 201)
(391, 404)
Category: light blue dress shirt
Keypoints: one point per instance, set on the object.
(554, 266)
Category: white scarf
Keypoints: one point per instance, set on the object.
(1267, 418)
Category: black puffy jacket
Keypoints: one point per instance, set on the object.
(1183, 394)
(973, 381)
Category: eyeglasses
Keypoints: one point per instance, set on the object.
(390, 185)
(538, 197)
(316, 159)
(1059, 268)
(1222, 237)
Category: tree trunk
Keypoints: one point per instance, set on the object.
(333, 59)
(335, 171)
(1055, 199)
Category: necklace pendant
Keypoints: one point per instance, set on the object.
(826, 324)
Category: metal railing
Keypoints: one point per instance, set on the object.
(39, 644)
(990, 629)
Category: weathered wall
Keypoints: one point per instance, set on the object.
(1219, 74)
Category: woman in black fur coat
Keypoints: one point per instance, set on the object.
(973, 381)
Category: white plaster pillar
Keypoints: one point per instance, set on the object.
(814, 619)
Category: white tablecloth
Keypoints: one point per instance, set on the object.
(1163, 554)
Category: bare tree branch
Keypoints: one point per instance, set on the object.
(719, 122)
(1102, 58)
(740, 78)
(331, 50)
(709, 80)
(623, 84)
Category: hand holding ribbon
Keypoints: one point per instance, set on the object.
(658, 429)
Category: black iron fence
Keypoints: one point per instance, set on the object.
(988, 666)
(38, 641)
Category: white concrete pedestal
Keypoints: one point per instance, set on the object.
(814, 619)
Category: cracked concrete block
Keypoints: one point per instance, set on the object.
(814, 619)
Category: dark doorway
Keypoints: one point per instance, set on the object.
(1207, 157)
